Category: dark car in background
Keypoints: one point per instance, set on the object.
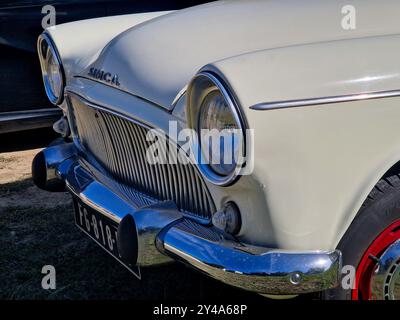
(23, 102)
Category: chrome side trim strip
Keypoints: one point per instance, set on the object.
(133, 94)
(25, 114)
(12, 121)
(180, 94)
(325, 100)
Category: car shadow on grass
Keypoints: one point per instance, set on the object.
(27, 139)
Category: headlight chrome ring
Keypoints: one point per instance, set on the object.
(52, 69)
(208, 94)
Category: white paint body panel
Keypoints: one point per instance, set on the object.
(80, 43)
(156, 60)
(315, 165)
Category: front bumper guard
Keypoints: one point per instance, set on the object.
(159, 233)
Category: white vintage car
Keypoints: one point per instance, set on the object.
(308, 198)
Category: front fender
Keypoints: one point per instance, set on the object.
(315, 165)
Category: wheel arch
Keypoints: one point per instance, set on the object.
(391, 168)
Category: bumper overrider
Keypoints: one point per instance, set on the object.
(159, 233)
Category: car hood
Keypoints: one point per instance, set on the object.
(155, 60)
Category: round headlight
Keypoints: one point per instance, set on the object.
(219, 125)
(52, 71)
(219, 134)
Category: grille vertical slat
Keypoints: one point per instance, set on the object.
(176, 183)
(106, 154)
(196, 190)
(147, 171)
(119, 165)
(171, 186)
(133, 169)
(125, 152)
(119, 146)
(190, 187)
(138, 160)
(111, 149)
(185, 188)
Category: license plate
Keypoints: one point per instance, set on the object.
(101, 229)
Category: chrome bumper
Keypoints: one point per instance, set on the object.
(159, 233)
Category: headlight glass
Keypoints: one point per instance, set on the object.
(54, 74)
(220, 144)
(219, 133)
(51, 69)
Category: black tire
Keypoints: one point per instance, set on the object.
(379, 211)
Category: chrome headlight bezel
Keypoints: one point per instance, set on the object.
(199, 88)
(44, 46)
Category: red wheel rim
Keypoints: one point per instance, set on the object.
(366, 267)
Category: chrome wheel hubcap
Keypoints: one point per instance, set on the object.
(385, 281)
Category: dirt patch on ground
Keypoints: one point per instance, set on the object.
(37, 229)
(15, 166)
(16, 186)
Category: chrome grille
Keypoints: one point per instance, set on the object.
(120, 145)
